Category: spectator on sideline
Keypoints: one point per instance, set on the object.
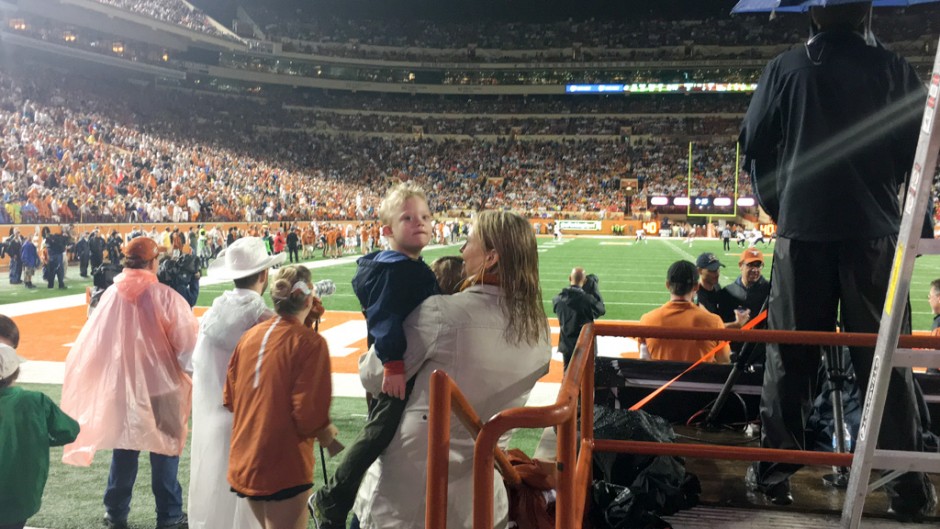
(29, 256)
(293, 245)
(749, 291)
(211, 504)
(278, 389)
(56, 244)
(125, 382)
(833, 258)
(449, 273)
(498, 315)
(13, 246)
(577, 304)
(933, 297)
(680, 311)
(29, 424)
(709, 291)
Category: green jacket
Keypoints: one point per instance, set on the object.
(29, 424)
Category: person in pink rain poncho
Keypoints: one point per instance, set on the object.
(126, 385)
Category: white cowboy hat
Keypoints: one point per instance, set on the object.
(244, 257)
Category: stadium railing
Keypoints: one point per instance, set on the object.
(574, 456)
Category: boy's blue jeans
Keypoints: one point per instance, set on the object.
(164, 483)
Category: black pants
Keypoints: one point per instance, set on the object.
(726, 244)
(83, 265)
(293, 254)
(811, 283)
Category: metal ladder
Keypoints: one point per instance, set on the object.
(887, 355)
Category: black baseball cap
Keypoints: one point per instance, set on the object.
(708, 260)
(682, 273)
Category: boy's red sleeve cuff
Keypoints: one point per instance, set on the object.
(395, 367)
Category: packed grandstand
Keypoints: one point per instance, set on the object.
(106, 124)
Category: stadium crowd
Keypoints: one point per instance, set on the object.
(172, 11)
(602, 104)
(97, 151)
(568, 40)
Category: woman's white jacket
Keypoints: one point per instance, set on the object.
(463, 335)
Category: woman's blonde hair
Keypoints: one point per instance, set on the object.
(392, 203)
(287, 299)
(512, 238)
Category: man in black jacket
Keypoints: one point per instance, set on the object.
(828, 138)
(96, 245)
(83, 252)
(576, 305)
(749, 291)
(13, 244)
(293, 245)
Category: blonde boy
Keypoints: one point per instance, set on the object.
(389, 284)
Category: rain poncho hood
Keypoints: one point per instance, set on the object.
(124, 383)
(234, 309)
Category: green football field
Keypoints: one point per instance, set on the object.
(632, 276)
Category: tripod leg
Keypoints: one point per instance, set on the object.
(832, 359)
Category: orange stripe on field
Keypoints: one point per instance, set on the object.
(44, 335)
(49, 335)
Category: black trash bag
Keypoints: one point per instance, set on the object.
(615, 507)
(658, 484)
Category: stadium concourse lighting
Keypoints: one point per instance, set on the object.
(799, 6)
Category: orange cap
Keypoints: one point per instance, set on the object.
(751, 255)
(142, 249)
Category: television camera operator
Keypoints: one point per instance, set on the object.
(182, 273)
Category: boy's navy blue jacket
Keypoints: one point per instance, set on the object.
(389, 286)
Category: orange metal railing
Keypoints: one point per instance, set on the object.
(573, 460)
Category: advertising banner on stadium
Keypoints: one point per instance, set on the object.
(579, 225)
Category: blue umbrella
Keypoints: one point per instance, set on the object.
(799, 6)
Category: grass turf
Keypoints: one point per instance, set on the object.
(632, 276)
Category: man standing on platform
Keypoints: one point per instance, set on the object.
(835, 117)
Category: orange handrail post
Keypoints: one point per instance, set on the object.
(438, 450)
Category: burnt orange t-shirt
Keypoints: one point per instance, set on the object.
(688, 315)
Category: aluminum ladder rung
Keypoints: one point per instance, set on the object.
(906, 461)
(916, 358)
(928, 247)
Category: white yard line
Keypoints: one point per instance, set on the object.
(680, 251)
